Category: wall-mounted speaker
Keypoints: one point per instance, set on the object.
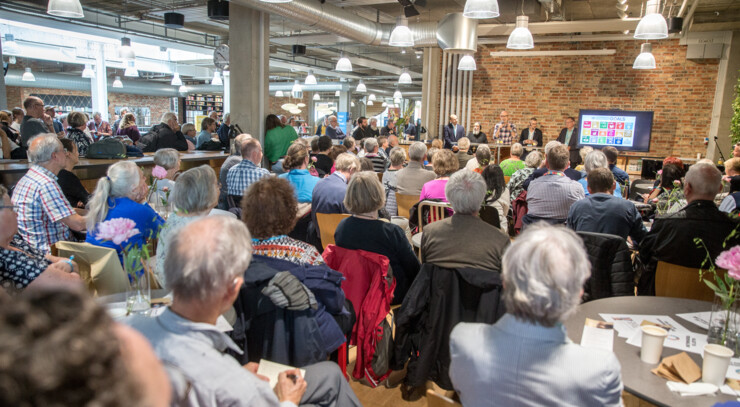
(299, 50)
(218, 9)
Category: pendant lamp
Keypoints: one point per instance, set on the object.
(344, 64)
(645, 60)
(467, 63)
(480, 9)
(28, 76)
(521, 38)
(401, 35)
(652, 26)
(405, 78)
(65, 8)
(117, 82)
(176, 81)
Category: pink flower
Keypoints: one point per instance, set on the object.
(314, 159)
(677, 183)
(730, 261)
(660, 172)
(165, 189)
(116, 230)
(159, 172)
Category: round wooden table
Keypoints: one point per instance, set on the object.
(636, 375)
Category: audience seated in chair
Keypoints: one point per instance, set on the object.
(445, 164)
(671, 238)
(612, 274)
(248, 171)
(593, 160)
(516, 182)
(602, 212)
(380, 163)
(44, 214)
(497, 194)
(527, 354)
(480, 160)
(569, 172)
(397, 157)
(60, 348)
(234, 159)
(410, 179)
(364, 231)
(169, 159)
(298, 175)
(328, 194)
(204, 267)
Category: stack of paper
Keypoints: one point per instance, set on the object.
(598, 334)
(628, 326)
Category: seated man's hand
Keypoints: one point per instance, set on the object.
(253, 367)
(287, 389)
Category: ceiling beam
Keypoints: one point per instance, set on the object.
(562, 27)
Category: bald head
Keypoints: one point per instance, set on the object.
(239, 142)
(703, 181)
(453, 119)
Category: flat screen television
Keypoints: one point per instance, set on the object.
(625, 130)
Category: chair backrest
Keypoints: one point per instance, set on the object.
(380, 176)
(437, 211)
(672, 280)
(490, 215)
(640, 186)
(99, 266)
(328, 223)
(404, 203)
(612, 274)
(437, 400)
(507, 178)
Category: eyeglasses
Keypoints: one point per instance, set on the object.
(13, 208)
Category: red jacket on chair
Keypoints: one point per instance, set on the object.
(366, 286)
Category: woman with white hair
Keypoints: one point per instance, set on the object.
(120, 194)
(516, 182)
(514, 163)
(397, 158)
(195, 194)
(596, 159)
(526, 358)
(169, 159)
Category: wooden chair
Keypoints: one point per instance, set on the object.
(437, 211)
(672, 280)
(380, 176)
(328, 223)
(404, 203)
(507, 178)
(437, 400)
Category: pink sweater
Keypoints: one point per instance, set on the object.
(434, 189)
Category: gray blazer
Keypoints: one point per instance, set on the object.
(515, 363)
(410, 179)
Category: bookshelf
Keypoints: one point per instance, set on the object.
(199, 105)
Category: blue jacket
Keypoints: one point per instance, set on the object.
(328, 196)
(303, 183)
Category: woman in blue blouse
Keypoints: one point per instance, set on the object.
(296, 163)
(120, 195)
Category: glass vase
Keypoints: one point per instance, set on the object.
(724, 323)
(138, 294)
(164, 209)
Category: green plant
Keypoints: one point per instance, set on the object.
(735, 121)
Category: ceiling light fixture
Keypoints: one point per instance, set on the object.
(131, 70)
(10, 47)
(117, 82)
(352, 104)
(65, 8)
(384, 104)
(361, 88)
(467, 63)
(369, 103)
(645, 60)
(297, 91)
(176, 81)
(397, 94)
(279, 94)
(652, 26)
(401, 36)
(405, 78)
(344, 64)
(182, 89)
(371, 97)
(337, 93)
(301, 104)
(216, 81)
(316, 96)
(125, 51)
(521, 38)
(88, 73)
(310, 79)
(28, 76)
(480, 9)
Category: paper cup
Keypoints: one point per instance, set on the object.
(716, 361)
(652, 343)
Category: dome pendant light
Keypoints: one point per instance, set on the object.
(371, 97)
(65, 8)
(337, 94)
(361, 88)
(10, 47)
(405, 78)
(117, 82)
(316, 96)
(297, 91)
(182, 89)
(397, 94)
(216, 81)
(131, 70)
(645, 60)
(310, 79)
(279, 94)
(369, 103)
(176, 81)
(521, 38)
(28, 76)
(401, 36)
(467, 63)
(344, 64)
(653, 25)
(125, 52)
(480, 9)
(88, 73)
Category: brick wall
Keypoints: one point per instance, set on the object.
(680, 92)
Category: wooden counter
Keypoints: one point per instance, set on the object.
(89, 170)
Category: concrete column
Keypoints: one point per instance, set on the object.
(227, 92)
(430, 91)
(723, 97)
(99, 85)
(3, 94)
(249, 35)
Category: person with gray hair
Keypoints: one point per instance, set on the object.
(411, 179)
(44, 214)
(328, 194)
(223, 131)
(568, 172)
(204, 266)
(517, 180)
(446, 243)
(194, 195)
(234, 159)
(99, 127)
(166, 134)
(593, 160)
(120, 194)
(480, 160)
(169, 159)
(550, 196)
(528, 355)
(462, 154)
(671, 238)
(397, 157)
(248, 170)
(371, 152)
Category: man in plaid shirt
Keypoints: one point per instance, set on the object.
(504, 130)
(248, 171)
(44, 214)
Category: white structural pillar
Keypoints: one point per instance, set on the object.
(3, 94)
(99, 85)
(227, 92)
(248, 64)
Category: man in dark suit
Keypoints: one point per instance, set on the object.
(569, 137)
(531, 136)
(453, 132)
(328, 194)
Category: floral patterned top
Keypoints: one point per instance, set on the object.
(286, 248)
(516, 182)
(18, 269)
(80, 139)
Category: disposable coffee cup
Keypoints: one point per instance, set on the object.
(652, 343)
(716, 361)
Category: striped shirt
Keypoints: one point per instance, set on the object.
(286, 248)
(379, 163)
(551, 195)
(242, 175)
(41, 207)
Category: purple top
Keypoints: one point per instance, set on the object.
(434, 189)
(131, 132)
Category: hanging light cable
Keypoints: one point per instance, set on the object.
(652, 26)
(401, 35)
